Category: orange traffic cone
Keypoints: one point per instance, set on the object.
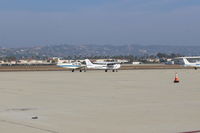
(176, 80)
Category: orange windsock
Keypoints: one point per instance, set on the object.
(176, 80)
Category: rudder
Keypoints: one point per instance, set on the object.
(186, 62)
(88, 62)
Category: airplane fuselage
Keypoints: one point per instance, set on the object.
(104, 67)
(69, 65)
(192, 65)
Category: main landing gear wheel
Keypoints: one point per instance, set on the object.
(80, 70)
(72, 70)
(195, 68)
(106, 70)
(113, 70)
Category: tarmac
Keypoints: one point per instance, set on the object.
(17, 68)
(128, 101)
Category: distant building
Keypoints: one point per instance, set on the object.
(153, 60)
(122, 61)
(136, 63)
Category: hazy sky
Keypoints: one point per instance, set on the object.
(48, 22)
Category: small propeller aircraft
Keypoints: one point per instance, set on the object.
(114, 66)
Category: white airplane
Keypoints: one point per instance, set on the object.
(73, 66)
(103, 65)
(194, 64)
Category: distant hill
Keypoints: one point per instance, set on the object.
(97, 50)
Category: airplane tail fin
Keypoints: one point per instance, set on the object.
(186, 62)
(88, 62)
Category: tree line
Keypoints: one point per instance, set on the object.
(130, 58)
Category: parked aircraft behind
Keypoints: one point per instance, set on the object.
(195, 64)
(103, 65)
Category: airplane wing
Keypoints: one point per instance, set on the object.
(112, 63)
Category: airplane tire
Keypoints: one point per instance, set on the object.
(80, 70)
(72, 70)
(113, 70)
(195, 68)
(106, 70)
